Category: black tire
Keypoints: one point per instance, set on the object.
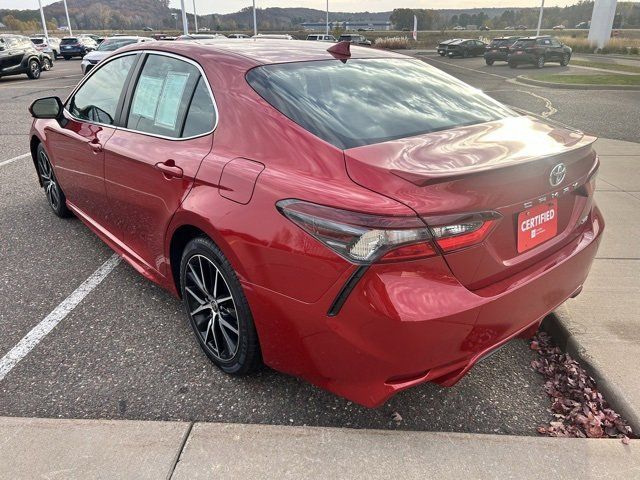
(55, 196)
(488, 61)
(540, 61)
(565, 60)
(47, 64)
(442, 54)
(513, 65)
(242, 358)
(56, 55)
(33, 69)
(67, 58)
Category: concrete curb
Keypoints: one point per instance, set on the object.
(123, 449)
(567, 86)
(555, 324)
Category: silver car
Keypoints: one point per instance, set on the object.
(106, 48)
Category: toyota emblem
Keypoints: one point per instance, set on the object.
(557, 174)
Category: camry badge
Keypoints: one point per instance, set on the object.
(557, 174)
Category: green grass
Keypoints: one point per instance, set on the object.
(607, 66)
(612, 79)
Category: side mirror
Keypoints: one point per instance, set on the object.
(47, 107)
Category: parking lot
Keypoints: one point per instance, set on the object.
(604, 113)
(126, 350)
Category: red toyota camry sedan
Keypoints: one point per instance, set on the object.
(348, 215)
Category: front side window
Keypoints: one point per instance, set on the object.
(365, 101)
(162, 96)
(97, 99)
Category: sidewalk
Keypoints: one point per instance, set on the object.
(603, 322)
(106, 449)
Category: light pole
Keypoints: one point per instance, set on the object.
(44, 23)
(185, 25)
(66, 11)
(195, 16)
(327, 17)
(255, 22)
(540, 18)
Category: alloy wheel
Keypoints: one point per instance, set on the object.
(34, 69)
(51, 188)
(212, 308)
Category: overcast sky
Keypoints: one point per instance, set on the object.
(213, 6)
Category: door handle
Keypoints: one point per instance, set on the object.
(169, 169)
(95, 145)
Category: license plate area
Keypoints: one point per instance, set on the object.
(537, 224)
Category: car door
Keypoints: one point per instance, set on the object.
(15, 53)
(480, 47)
(151, 163)
(544, 44)
(77, 143)
(556, 46)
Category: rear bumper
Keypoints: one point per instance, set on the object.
(522, 58)
(76, 52)
(495, 56)
(413, 322)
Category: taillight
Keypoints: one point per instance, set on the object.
(456, 232)
(589, 187)
(359, 237)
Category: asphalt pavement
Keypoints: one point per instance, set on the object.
(611, 114)
(126, 351)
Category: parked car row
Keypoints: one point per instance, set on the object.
(515, 50)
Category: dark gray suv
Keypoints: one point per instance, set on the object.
(18, 55)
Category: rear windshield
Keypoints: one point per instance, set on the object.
(361, 102)
(501, 43)
(37, 41)
(524, 43)
(69, 40)
(109, 45)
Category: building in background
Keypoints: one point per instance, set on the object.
(349, 25)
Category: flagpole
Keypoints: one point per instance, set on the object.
(195, 16)
(255, 23)
(44, 22)
(185, 25)
(66, 12)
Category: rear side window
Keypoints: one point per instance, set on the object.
(97, 99)
(201, 115)
(364, 101)
(165, 90)
(524, 43)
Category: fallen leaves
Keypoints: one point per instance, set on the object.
(579, 410)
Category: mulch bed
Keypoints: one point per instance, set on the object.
(578, 408)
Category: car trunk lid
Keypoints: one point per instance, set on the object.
(502, 166)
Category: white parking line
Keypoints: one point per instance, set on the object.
(37, 333)
(19, 157)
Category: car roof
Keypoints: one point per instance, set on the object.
(535, 37)
(258, 51)
(126, 37)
